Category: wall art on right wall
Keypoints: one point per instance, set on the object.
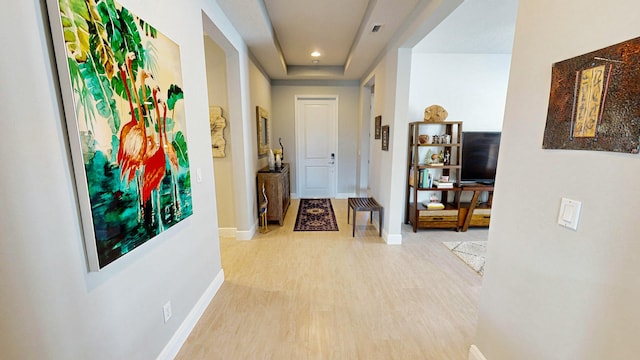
(385, 137)
(594, 102)
(378, 126)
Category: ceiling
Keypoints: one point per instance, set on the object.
(282, 34)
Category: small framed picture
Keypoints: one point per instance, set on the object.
(378, 124)
(385, 138)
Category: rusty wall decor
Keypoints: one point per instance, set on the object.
(594, 102)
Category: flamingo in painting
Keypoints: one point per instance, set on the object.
(151, 140)
(133, 142)
(170, 150)
(142, 74)
(155, 164)
(172, 157)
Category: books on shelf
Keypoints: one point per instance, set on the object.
(433, 205)
(424, 180)
(442, 184)
(427, 179)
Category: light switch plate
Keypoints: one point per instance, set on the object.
(166, 311)
(569, 213)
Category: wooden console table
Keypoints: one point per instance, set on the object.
(276, 185)
(477, 190)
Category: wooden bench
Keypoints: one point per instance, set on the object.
(364, 204)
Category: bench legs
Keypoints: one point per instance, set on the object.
(353, 228)
(355, 210)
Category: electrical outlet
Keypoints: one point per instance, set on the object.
(166, 311)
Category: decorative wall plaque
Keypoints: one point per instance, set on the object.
(594, 102)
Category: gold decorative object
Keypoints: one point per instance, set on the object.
(264, 205)
(435, 113)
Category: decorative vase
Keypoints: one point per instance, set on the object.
(278, 161)
(423, 139)
(272, 165)
(281, 148)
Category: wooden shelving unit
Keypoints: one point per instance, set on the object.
(415, 212)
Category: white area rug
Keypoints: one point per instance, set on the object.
(471, 252)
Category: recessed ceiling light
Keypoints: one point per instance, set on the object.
(376, 28)
(315, 54)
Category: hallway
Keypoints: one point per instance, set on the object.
(326, 295)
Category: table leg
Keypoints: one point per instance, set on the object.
(472, 206)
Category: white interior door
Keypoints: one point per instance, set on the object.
(316, 139)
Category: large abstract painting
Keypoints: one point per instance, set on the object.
(121, 83)
(594, 102)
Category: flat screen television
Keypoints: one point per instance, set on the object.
(480, 156)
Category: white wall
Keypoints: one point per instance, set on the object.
(471, 87)
(51, 306)
(549, 292)
(223, 167)
(283, 120)
(391, 77)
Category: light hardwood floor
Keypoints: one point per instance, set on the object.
(326, 295)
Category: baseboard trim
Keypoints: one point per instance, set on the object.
(392, 239)
(180, 336)
(227, 232)
(246, 234)
(475, 353)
